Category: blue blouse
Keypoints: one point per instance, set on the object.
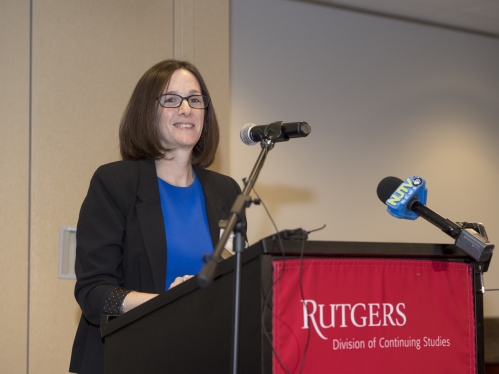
(186, 225)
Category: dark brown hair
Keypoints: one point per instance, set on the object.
(139, 132)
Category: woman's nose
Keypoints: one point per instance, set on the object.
(184, 107)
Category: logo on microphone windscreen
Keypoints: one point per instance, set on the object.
(412, 189)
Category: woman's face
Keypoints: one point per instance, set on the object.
(180, 128)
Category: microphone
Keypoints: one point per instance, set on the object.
(277, 132)
(407, 199)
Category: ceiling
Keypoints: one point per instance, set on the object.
(474, 16)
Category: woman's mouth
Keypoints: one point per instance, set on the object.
(184, 125)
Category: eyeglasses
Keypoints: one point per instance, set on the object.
(174, 101)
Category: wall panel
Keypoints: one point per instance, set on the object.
(87, 58)
(202, 35)
(14, 183)
(212, 56)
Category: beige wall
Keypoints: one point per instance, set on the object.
(86, 58)
(14, 177)
(383, 97)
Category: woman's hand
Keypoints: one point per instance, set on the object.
(134, 299)
(179, 280)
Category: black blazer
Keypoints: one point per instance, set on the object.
(121, 242)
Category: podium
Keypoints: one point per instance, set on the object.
(189, 329)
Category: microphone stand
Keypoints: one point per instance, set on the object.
(236, 224)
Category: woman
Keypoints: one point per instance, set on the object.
(147, 220)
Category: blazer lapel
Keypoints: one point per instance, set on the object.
(151, 222)
(215, 205)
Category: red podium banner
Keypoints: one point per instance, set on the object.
(374, 316)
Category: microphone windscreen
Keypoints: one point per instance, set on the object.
(387, 187)
(245, 134)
